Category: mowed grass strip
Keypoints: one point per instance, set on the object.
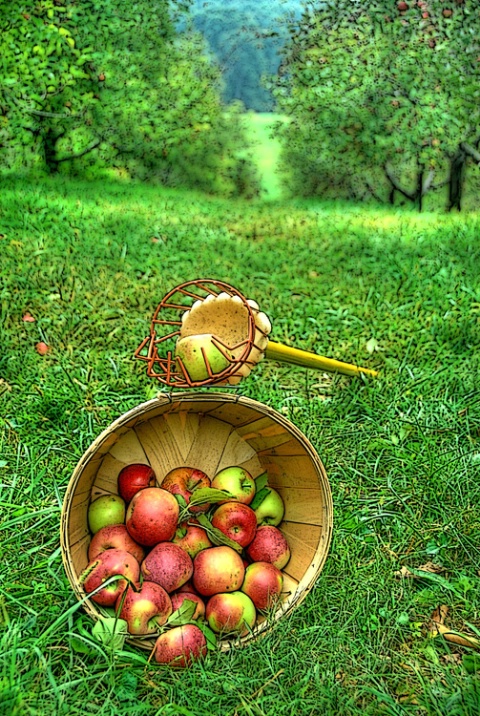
(394, 291)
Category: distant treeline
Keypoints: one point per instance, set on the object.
(246, 38)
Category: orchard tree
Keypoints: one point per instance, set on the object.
(381, 95)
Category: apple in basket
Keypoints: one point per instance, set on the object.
(237, 521)
(133, 478)
(237, 481)
(191, 537)
(184, 481)
(269, 545)
(114, 537)
(263, 583)
(231, 613)
(271, 510)
(152, 516)
(105, 510)
(168, 565)
(180, 646)
(218, 569)
(144, 607)
(178, 599)
(111, 562)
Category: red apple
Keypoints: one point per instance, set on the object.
(168, 565)
(179, 597)
(402, 6)
(114, 537)
(184, 481)
(180, 646)
(237, 521)
(447, 12)
(144, 608)
(269, 545)
(152, 516)
(231, 613)
(27, 317)
(42, 348)
(218, 569)
(107, 564)
(192, 538)
(133, 478)
(263, 583)
(238, 482)
(187, 587)
(105, 510)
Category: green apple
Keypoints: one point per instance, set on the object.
(106, 510)
(193, 350)
(271, 510)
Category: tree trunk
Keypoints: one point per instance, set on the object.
(50, 140)
(456, 180)
(419, 191)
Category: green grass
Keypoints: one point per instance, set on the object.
(265, 151)
(395, 291)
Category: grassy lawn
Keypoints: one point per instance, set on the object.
(396, 291)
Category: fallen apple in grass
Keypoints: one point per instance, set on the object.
(231, 613)
(105, 510)
(263, 583)
(168, 565)
(201, 357)
(110, 563)
(180, 646)
(114, 537)
(271, 510)
(269, 545)
(133, 478)
(237, 521)
(179, 597)
(218, 569)
(145, 607)
(152, 516)
(184, 481)
(237, 481)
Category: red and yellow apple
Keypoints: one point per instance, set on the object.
(114, 537)
(269, 545)
(184, 481)
(231, 613)
(168, 565)
(217, 569)
(237, 481)
(191, 537)
(180, 646)
(263, 583)
(145, 607)
(237, 521)
(178, 599)
(108, 564)
(152, 516)
(133, 478)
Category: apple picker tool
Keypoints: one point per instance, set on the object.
(205, 332)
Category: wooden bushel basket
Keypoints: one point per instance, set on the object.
(209, 431)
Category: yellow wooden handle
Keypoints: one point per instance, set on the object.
(286, 354)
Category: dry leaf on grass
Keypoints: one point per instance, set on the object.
(430, 567)
(438, 626)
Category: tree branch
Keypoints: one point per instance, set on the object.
(88, 149)
(471, 151)
(427, 184)
(394, 182)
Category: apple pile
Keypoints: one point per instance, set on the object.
(187, 562)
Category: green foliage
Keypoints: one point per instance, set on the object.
(107, 85)
(369, 87)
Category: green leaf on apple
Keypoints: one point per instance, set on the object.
(111, 632)
(205, 495)
(216, 535)
(183, 615)
(261, 481)
(181, 500)
(259, 498)
(210, 636)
